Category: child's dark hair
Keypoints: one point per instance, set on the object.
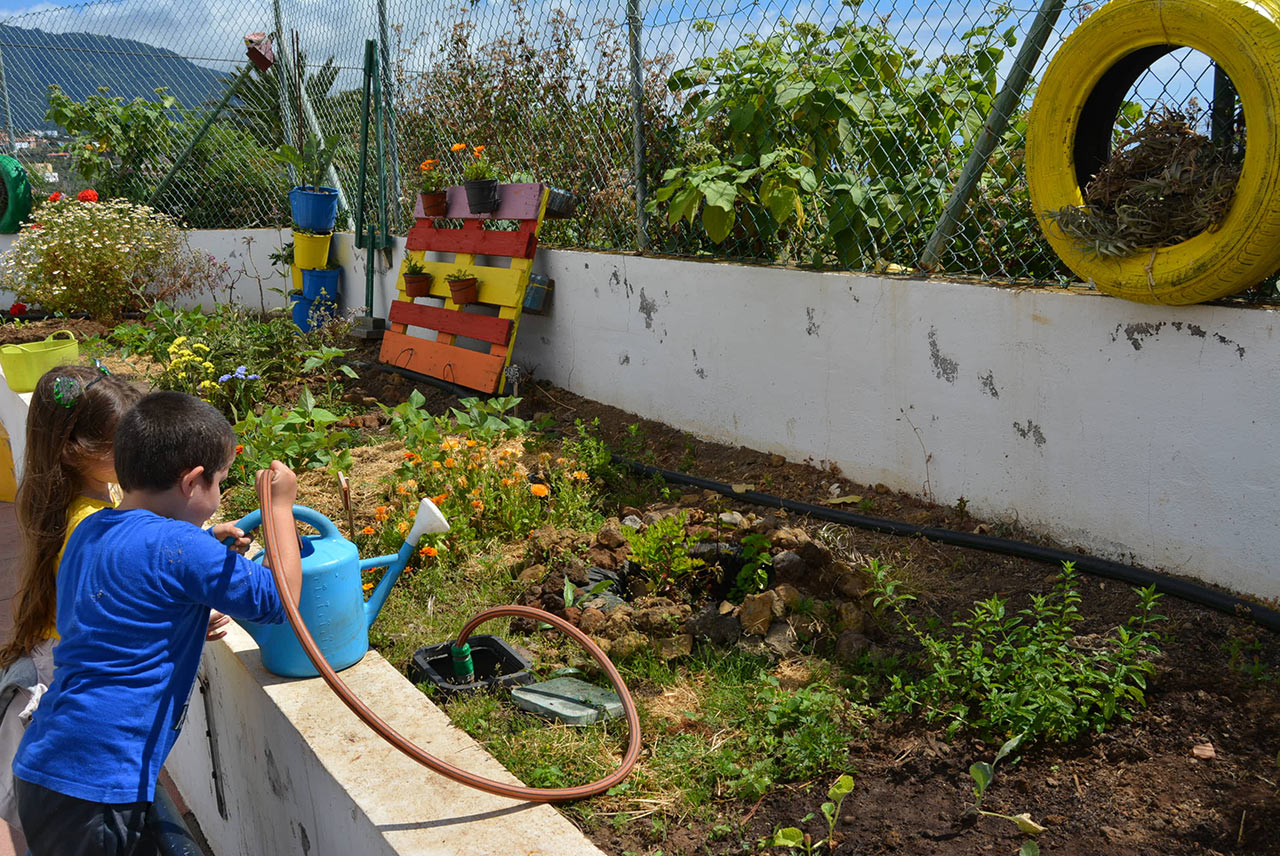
(72, 420)
(167, 433)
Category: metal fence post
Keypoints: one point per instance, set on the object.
(992, 130)
(637, 120)
(388, 98)
(283, 63)
(8, 114)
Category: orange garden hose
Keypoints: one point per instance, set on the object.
(399, 741)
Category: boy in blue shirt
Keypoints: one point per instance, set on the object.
(134, 591)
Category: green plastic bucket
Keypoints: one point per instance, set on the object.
(24, 364)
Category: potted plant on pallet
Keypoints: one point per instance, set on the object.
(431, 192)
(314, 205)
(417, 282)
(480, 180)
(463, 286)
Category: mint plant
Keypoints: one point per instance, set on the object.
(756, 560)
(661, 549)
(1026, 672)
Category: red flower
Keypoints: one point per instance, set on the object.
(87, 195)
(18, 309)
(37, 225)
(55, 197)
(239, 449)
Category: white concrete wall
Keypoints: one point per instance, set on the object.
(1141, 433)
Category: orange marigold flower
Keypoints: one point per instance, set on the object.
(440, 498)
(477, 150)
(477, 505)
(368, 530)
(435, 465)
(428, 164)
(506, 482)
(471, 442)
(429, 552)
(457, 147)
(539, 490)
(403, 526)
(367, 586)
(579, 475)
(381, 512)
(562, 461)
(239, 448)
(450, 463)
(462, 481)
(412, 456)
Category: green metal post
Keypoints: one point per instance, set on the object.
(992, 130)
(204, 129)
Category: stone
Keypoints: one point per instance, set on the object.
(806, 626)
(780, 640)
(718, 628)
(789, 594)
(629, 511)
(576, 570)
(688, 500)
(732, 518)
(604, 558)
(675, 646)
(850, 645)
(727, 608)
(789, 567)
(610, 535)
(591, 621)
(571, 614)
(604, 601)
(814, 554)
(632, 521)
(757, 612)
(533, 574)
(627, 644)
(618, 623)
(850, 616)
(851, 585)
(661, 616)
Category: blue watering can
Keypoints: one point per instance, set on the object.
(332, 601)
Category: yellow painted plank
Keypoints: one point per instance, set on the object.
(8, 478)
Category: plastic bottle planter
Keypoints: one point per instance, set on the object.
(308, 313)
(536, 294)
(314, 208)
(561, 204)
(417, 285)
(482, 195)
(434, 204)
(464, 291)
(318, 284)
(311, 251)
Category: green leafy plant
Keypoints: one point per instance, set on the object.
(487, 419)
(479, 168)
(413, 267)
(661, 550)
(313, 161)
(795, 838)
(431, 179)
(115, 145)
(459, 275)
(282, 258)
(303, 437)
(983, 774)
(1024, 673)
(756, 560)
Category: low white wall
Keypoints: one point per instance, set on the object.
(1142, 433)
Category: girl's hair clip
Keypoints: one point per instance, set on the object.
(66, 391)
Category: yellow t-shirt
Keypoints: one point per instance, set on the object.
(80, 508)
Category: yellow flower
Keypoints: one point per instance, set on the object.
(579, 475)
(435, 465)
(403, 526)
(471, 442)
(477, 505)
(539, 490)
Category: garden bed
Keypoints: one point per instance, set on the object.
(744, 735)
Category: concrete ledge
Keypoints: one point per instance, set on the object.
(299, 773)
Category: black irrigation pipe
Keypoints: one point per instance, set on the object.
(1184, 589)
(452, 388)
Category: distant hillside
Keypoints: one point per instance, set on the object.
(81, 62)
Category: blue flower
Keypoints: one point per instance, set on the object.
(238, 374)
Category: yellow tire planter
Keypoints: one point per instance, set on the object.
(1070, 125)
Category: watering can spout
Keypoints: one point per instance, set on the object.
(429, 521)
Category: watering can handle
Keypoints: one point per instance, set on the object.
(310, 516)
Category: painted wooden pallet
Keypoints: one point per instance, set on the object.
(480, 367)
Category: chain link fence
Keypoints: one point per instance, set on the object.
(821, 133)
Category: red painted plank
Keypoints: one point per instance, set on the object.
(487, 328)
(471, 369)
(471, 238)
(515, 202)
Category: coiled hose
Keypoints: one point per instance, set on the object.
(399, 741)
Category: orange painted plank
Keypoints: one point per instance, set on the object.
(457, 365)
(472, 238)
(486, 328)
(515, 202)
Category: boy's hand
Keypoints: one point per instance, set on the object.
(284, 484)
(216, 621)
(223, 531)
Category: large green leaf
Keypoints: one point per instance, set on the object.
(718, 222)
(684, 205)
(720, 194)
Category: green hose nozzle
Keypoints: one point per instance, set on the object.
(464, 671)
